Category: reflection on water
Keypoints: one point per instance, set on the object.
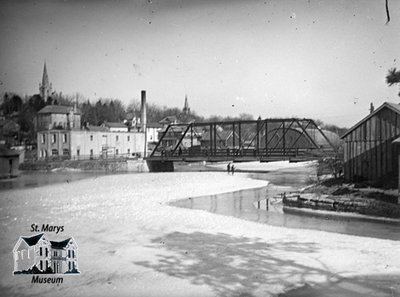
(244, 205)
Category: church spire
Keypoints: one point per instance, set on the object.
(186, 108)
(45, 79)
(45, 86)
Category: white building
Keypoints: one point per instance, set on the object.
(152, 132)
(91, 142)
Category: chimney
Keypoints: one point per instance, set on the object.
(143, 112)
(143, 120)
(371, 108)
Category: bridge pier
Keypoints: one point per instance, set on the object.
(160, 166)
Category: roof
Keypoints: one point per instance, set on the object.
(221, 135)
(115, 125)
(169, 119)
(58, 109)
(60, 244)
(393, 106)
(320, 139)
(96, 128)
(33, 239)
(6, 152)
(154, 125)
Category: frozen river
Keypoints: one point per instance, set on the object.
(132, 242)
(244, 204)
(32, 179)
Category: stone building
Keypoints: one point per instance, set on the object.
(91, 142)
(58, 117)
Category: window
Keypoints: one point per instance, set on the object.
(116, 151)
(69, 265)
(41, 265)
(41, 251)
(53, 138)
(129, 138)
(116, 138)
(43, 138)
(65, 152)
(91, 137)
(129, 151)
(47, 253)
(54, 152)
(78, 151)
(69, 253)
(64, 138)
(73, 254)
(91, 153)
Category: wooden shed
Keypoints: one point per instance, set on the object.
(369, 152)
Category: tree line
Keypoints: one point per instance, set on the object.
(19, 114)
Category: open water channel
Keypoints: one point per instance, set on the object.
(252, 205)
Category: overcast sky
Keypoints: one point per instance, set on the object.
(319, 59)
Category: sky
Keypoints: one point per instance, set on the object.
(324, 60)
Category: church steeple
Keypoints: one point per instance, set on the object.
(45, 86)
(186, 108)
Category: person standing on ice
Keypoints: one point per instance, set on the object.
(233, 169)
(228, 167)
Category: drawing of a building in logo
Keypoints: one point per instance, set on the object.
(38, 255)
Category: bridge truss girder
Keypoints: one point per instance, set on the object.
(249, 139)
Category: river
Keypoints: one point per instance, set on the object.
(252, 205)
(246, 204)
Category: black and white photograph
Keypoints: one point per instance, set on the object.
(216, 148)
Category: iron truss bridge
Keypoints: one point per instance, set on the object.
(240, 141)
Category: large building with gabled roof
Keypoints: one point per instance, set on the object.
(58, 117)
(60, 135)
(369, 152)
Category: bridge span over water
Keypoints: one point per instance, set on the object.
(264, 140)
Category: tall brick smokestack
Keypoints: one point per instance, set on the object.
(143, 120)
(143, 112)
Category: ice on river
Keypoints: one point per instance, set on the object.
(132, 243)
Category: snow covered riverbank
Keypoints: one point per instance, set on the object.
(131, 243)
